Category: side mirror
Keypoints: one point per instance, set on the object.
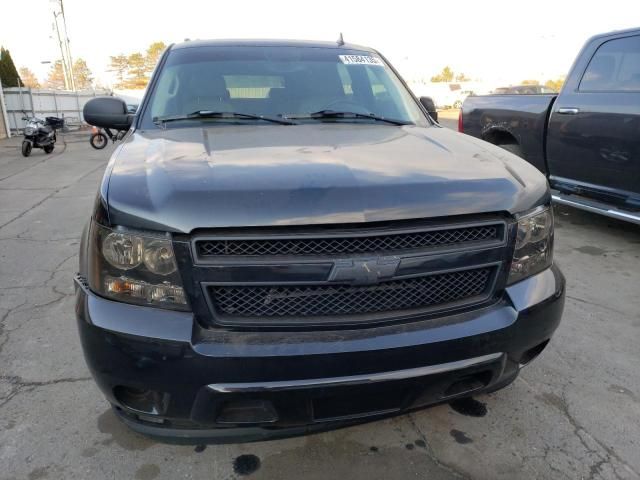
(430, 106)
(107, 112)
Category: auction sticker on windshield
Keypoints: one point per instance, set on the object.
(360, 60)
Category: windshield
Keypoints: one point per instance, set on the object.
(279, 82)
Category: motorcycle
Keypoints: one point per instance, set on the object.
(100, 137)
(40, 133)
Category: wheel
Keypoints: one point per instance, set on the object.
(513, 148)
(457, 104)
(49, 148)
(98, 141)
(26, 148)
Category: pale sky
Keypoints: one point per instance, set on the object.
(491, 40)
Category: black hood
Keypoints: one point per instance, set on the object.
(181, 179)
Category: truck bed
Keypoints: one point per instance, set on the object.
(518, 120)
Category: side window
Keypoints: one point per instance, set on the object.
(614, 67)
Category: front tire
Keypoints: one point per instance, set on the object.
(26, 148)
(98, 141)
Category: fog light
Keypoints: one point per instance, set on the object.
(144, 401)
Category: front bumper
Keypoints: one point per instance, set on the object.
(169, 377)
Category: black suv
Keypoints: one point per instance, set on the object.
(287, 241)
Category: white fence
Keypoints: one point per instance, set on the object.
(22, 102)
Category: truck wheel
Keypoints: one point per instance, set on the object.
(513, 148)
(98, 141)
(26, 148)
(48, 148)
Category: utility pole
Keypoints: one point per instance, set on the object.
(65, 51)
(66, 35)
(64, 60)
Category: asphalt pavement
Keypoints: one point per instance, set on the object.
(574, 413)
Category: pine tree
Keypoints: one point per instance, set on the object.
(133, 71)
(8, 73)
(153, 54)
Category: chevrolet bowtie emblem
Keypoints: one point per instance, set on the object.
(367, 271)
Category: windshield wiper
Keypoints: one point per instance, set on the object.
(219, 115)
(343, 114)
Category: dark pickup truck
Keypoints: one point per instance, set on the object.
(285, 241)
(586, 139)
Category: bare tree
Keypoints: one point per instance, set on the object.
(137, 71)
(55, 80)
(82, 76)
(28, 78)
(119, 65)
(555, 85)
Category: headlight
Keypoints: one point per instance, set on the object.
(534, 244)
(28, 131)
(135, 267)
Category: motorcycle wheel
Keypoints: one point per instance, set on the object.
(48, 148)
(26, 148)
(98, 141)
